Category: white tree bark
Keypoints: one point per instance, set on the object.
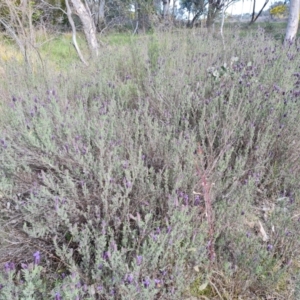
(166, 8)
(292, 26)
(101, 12)
(71, 21)
(88, 24)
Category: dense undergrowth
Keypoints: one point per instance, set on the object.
(168, 168)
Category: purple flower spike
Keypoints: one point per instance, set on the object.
(157, 282)
(10, 266)
(197, 200)
(106, 255)
(128, 184)
(146, 282)
(129, 278)
(186, 199)
(139, 260)
(37, 257)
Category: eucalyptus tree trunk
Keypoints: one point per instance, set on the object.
(88, 24)
(293, 22)
(166, 8)
(210, 15)
(101, 14)
(74, 39)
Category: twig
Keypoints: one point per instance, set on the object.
(206, 187)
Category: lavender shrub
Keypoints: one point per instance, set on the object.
(100, 197)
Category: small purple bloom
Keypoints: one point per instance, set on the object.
(57, 296)
(154, 237)
(106, 255)
(10, 266)
(146, 282)
(157, 282)
(4, 144)
(197, 200)
(269, 247)
(186, 199)
(128, 184)
(37, 257)
(139, 260)
(129, 278)
(24, 266)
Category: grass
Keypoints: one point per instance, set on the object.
(164, 170)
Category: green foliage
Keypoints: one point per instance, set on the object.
(153, 53)
(98, 172)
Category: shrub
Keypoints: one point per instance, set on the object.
(163, 170)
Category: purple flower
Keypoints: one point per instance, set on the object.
(37, 257)
(269, 247)
(10, 266)
(128, 184)
(154, 237)
(197, 200)
(106, 255)
(112, 292)
(57, 296)
(129, 278)
(186, 199)
(3, 143)
(157, 282)
(146, 282)
(24, 266)
(139, 260)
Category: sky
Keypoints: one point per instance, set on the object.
(246, 6)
